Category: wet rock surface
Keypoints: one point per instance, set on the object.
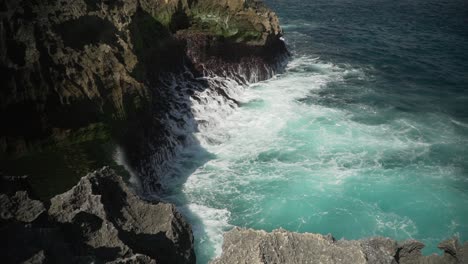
(280, 246)
(99, 220)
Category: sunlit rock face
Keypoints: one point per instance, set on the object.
(281, 246)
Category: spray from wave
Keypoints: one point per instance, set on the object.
(301, 152)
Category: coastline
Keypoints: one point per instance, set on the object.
(90, 79)
(134, 88)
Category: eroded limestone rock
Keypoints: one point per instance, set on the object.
(20, 207)
(70, 67)
(280, 246)
(99, 220)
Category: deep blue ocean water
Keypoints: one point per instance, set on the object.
(365, 134)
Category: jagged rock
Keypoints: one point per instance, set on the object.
(20, 207)
(85, 70)
(236, 60)
(105, 213)
(379, 250)
(280, 246)
(453, 249)
(78, 70)
(16, 203)
(136, 259)
(37, 258)
(98, 220)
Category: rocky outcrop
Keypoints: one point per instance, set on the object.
(88, 72)
(68, 70)
(280, 246)
(214, 55)
(78, 70)
(234, 38)
(99, 220)
(20, 207)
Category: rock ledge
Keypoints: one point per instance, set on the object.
(280, 246)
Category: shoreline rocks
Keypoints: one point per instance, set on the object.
(99, 220)
(281, 246)
(86, 71)
(102, 220)
(121, 73)
(79, 70)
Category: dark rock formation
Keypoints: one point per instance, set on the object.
(243, 62)
(76, 72)
(20, 207)
(280, 246)
(67, 71)
(79, 71)
(85, 69)
(99, 220)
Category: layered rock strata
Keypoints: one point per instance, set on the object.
(280, 246)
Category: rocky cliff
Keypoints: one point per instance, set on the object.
(89, 72)
(75, 70)
(82, 77)
(280, 246)
(99, 220)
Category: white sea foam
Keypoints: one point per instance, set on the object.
(281, 159)
(236, 136)
(208, 225)
(120, 159)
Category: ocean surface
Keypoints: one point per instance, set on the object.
(364, 134)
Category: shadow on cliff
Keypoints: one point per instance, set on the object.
(152, 144)
(160, 143)
(92, 84)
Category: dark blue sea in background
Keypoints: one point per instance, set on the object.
(414, 51)
(365, 134)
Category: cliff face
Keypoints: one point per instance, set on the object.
(77, 71)
(83, 76)
(80, 77)
(67, 66)
(280, 246)
(80, 70)
(99, 220)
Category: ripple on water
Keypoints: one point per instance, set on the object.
(322, 149)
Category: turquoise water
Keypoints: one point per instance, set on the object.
(365, 134)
